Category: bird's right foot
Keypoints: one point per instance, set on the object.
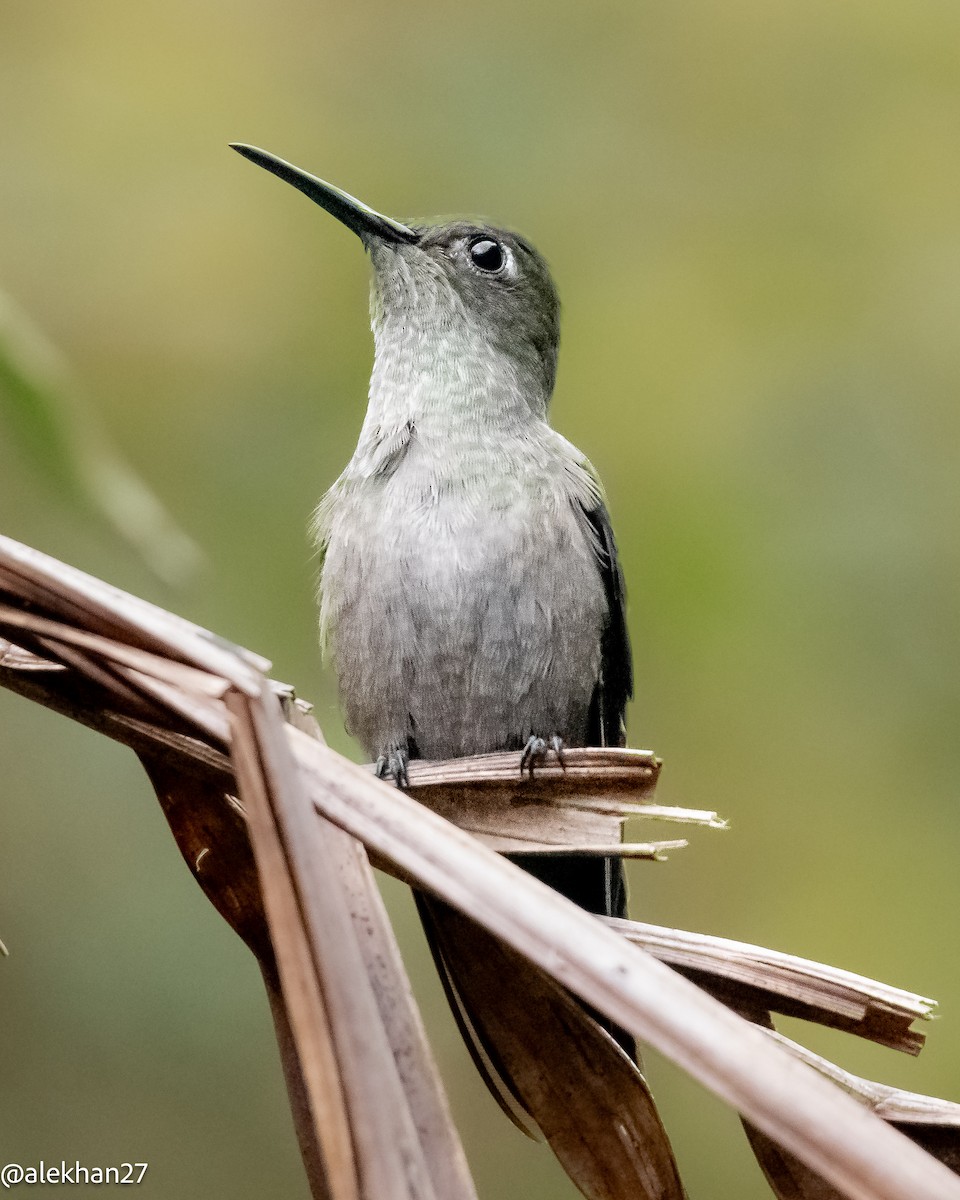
(535, 753)
(392, 764)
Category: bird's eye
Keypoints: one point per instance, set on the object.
(487, 254)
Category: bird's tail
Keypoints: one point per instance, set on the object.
(595, 884)
(553, 1067)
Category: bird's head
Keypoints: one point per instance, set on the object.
(450, 285)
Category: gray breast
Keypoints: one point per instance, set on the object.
(463, 609)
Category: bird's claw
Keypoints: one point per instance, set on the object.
(535, 753)
(392, 764)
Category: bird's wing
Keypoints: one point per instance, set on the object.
(598, 884)
(615, 682)
(614, 685)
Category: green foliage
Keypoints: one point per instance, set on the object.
(59, 431)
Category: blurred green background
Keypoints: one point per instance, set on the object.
(753, 214)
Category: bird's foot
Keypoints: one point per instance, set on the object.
(392, 764)
(535, 753)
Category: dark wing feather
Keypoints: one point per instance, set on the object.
(607, 720)
(615, 685)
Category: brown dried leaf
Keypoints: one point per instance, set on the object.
(213, 839)
(651, 851)
(73, 695)
(892, 1104)
(932, 1124)
(157, 666)
(137, 682)
(601, 772)
(59, 590)
(15, 658)
(395, 1000)
(752, 977)
(831, 1133)
(580, 806)
(404, 1029)
(788, 1177)
(212, 836)
(301, 864)
(310, 1020)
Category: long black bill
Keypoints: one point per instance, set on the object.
(353, 213)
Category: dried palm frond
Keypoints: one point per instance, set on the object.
(277, 829)
(751, 978)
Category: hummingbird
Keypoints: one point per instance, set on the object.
(471, 596)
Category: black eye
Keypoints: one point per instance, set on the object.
(487, 254)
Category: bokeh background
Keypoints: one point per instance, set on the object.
(753, 214)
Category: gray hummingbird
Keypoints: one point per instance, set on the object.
(470, 593)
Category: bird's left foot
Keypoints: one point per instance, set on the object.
(535, 753)
(392, 764)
